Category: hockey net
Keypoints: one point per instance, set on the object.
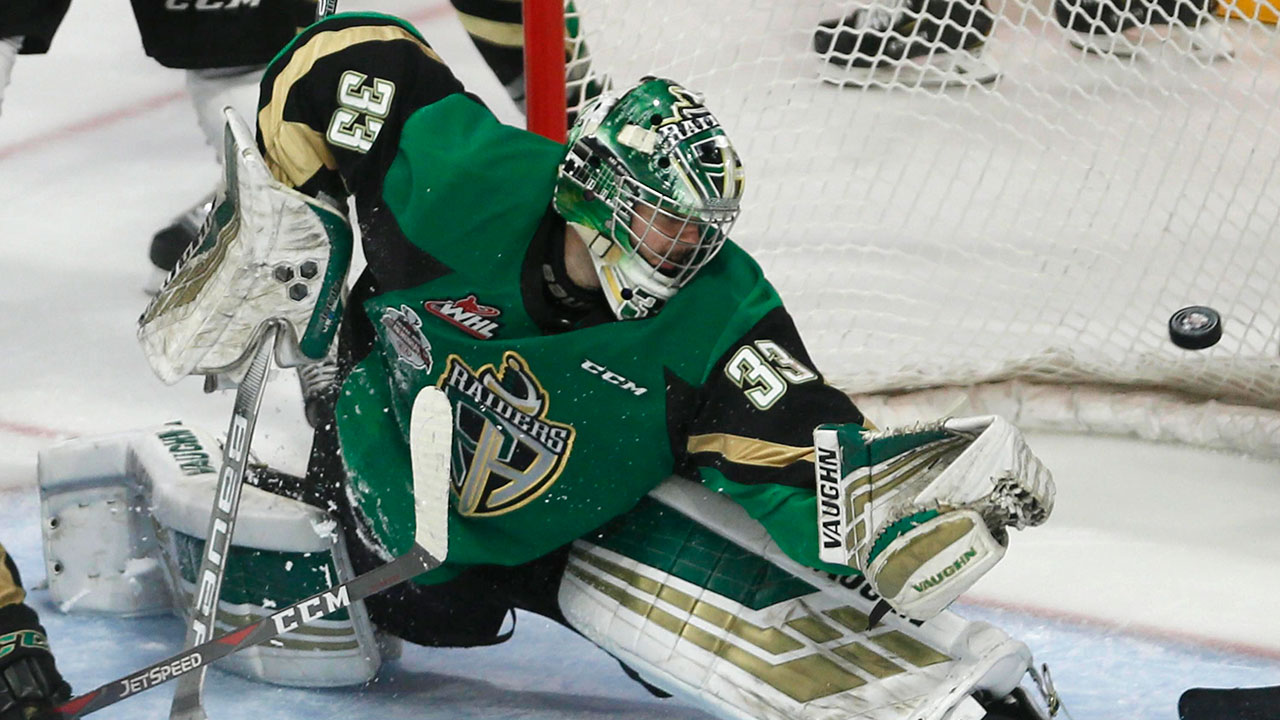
(1016, 246)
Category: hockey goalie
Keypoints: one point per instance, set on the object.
(642, 448)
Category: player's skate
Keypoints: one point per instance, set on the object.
(1100, 27)
(168, 245)
(1125, 28)
(914, 43)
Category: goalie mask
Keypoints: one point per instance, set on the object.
(651, 183)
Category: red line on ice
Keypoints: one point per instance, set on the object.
(141, 107)
(1124, 627)
(14, 428)
(112, 117)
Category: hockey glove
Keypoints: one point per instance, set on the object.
(30, 685)
(922, 511)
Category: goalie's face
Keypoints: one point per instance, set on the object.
(652, 184)
(665, 240)
(675, 244)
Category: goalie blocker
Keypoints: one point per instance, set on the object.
(922, 511)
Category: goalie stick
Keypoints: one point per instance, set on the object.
(222, 520)
(430, 433)
(1261, 703)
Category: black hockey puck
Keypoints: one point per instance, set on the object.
(1196, 327)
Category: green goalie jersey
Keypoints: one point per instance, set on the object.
(563, 418)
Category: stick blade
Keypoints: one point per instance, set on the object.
(1230, 704)
(430, 440)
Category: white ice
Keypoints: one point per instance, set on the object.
(1156, 573)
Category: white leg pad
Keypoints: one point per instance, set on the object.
(124, 517)
(703, 604)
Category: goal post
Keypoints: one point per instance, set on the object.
(544, 61)
(1021, 242)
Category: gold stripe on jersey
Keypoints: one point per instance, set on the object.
(295, 152)
(494, 32)
(10, 592)
(749, 451)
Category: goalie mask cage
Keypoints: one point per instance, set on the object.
(1017, 247)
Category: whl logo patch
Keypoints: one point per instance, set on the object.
(403, 330)
(467, 314)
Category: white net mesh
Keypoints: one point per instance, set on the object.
(1042, 227)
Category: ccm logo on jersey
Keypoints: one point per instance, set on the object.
(613, 377)
(209, 4)
(467, 314)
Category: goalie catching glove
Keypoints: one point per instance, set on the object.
(266, 253)
(922, 511)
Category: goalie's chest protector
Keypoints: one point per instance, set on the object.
(554, 435)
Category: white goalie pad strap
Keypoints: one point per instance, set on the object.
(923, 510)
(118, 511)
(805, 653)
(266, 253)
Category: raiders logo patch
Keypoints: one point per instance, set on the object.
(506, 451)
(404, 332)
(467, 314)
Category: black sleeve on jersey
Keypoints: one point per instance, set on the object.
(35, 20)
(750, 445)
(391, 263)
(334, 101)
(496, 28)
